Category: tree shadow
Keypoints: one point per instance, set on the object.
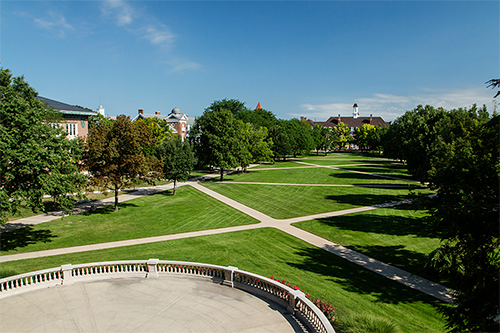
(23, 237)
(105, 210)
(366, 199)
(389, 224)
(356, 279)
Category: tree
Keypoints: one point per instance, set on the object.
(160, 128)
(258, 118)
(300, 135)
(216, 138)
(281, 141)
(36, 158)
(233, 105)
(465, 170)
(341, 136)
(257, 143)
(363, 135)
(117, 154)
(494, 83)
(322, 137)
(178, 159)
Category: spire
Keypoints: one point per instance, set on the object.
(258, 107)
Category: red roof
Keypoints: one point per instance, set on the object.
(258, 107)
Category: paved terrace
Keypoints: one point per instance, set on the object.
(167, 304)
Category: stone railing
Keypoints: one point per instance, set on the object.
(294, 301)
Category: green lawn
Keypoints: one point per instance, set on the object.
(398, 236)
(310, 176)
(287, 201)
(351, 289)
(160, 214)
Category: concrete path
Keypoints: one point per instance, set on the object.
(166, 304)
(393, 273)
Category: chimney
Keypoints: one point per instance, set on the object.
(370, 119)
(157, 113)
(141, 111)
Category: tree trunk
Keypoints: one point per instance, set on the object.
(175, 185)
(221, 174)
(116, 198)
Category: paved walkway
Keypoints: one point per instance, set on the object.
(165, 304)
(393, 273)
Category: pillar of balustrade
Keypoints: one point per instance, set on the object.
(229, 276)
(292, 300)
(67, 276)
(153, 268)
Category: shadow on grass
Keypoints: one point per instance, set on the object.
(23, 237)
(389, 224)
(356, 279)
(366, 199)
(397, 255)
(105, 210)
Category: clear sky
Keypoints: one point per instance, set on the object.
(313, 59)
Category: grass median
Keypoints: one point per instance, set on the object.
(154, 215)
(351, 289)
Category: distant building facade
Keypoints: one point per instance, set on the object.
(179, 122)
(352, 122)
(75, 118)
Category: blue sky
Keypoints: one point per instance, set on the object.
(313, 59)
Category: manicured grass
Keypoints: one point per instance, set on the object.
(287, 201)
(342, 161)
(310, 176)
(160, 214)
(350, 288)
(398, 236)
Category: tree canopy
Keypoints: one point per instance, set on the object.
(216, 138)
(118, 155)
(178, 159)
(36, 158)
(458, 153)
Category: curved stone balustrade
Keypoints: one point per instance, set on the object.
(293, 300)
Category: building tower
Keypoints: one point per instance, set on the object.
(100, 109)
(355, 112)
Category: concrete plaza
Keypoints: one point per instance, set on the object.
(166, 304)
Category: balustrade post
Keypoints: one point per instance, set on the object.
(152, 268)
(292, 300)
(67, 276)
(229, 276)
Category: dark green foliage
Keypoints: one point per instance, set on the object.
(458, 153)
(258, 118)
(299, 134)
(465, 170)
(281, 141)
(322, 137)
(36, 157)
(178, 159)
(117, 154)
(216, 138)
(233, 105)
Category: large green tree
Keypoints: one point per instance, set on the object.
(465, 171)
(322, 138)
(36, 158)
(216, 138)
(178, 159)
(257, 143)
(300, 135)
(118, 155)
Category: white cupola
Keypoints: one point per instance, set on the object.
(100, 109)
(355, 112)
